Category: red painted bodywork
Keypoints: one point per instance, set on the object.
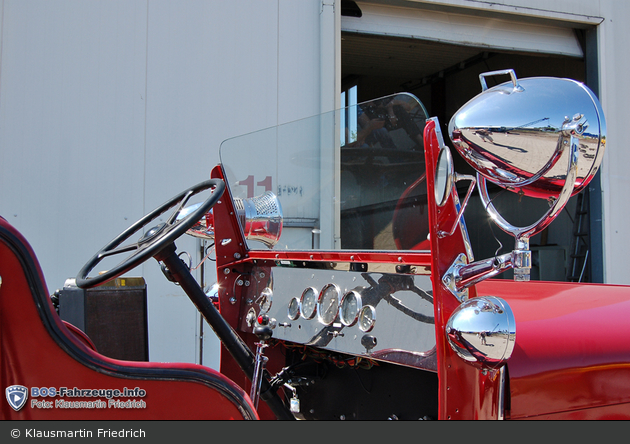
(38, 350)
(464, 392)
(550, 321)
(572, 354)
(571, 359)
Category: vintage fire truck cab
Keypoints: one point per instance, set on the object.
(344, 234)
(347, 287)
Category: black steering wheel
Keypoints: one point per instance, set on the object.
(155, 239)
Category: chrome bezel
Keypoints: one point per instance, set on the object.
(482, 331)
(372, 318)
(265, 300)
(293, 309)
(344, 301)
(336, 293)
(305, 293)
(443, 179)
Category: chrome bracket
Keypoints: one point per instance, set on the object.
(460, 213)
(452, 276)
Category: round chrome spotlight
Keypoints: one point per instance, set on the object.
(482, 331)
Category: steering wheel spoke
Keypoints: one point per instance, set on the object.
(156, 238)
(119, 250)
(173, 219)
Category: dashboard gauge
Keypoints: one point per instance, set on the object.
(308, 303)
(265, 300)
(328, 304)
(294, 309)
(367, 318)
(350, 308)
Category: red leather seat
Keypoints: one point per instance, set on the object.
(37, 350)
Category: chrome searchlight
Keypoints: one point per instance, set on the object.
(542, 137)
(260, 218)
(517, 134)
(482, 331)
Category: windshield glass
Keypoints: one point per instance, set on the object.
(348, 179)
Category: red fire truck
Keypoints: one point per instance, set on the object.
(347, 287)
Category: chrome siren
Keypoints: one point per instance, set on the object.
(260, 218)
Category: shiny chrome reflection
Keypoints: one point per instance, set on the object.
(482, 331)
(445, 178)
(213, 293)
(542, 137)
(260, 217)
(351, 305)
(515, 133)
(293, 310)
(308, 303)
(328, 303)
(444, 174)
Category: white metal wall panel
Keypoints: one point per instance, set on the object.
(613, 34)
(207, 80)
(512, 35)
(72, 114)
(110, 107)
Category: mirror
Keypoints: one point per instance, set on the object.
(444, 173)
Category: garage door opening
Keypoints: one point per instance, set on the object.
(444, 76)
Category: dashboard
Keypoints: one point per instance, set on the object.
(378, 314)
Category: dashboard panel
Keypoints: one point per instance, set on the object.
(379, 315)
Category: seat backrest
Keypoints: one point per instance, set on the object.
(37, 351)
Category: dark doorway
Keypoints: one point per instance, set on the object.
(444, 77)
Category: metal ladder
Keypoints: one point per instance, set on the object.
(578, 270)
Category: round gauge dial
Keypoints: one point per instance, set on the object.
(294, 309)
(328, 304)
(308, 303)
(350, 308)
(367, 318)
(265, 299)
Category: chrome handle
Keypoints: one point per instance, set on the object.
(484, 86)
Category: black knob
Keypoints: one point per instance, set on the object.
(369, 342)
(263, 332)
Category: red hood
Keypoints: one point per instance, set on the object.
(572, 347)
